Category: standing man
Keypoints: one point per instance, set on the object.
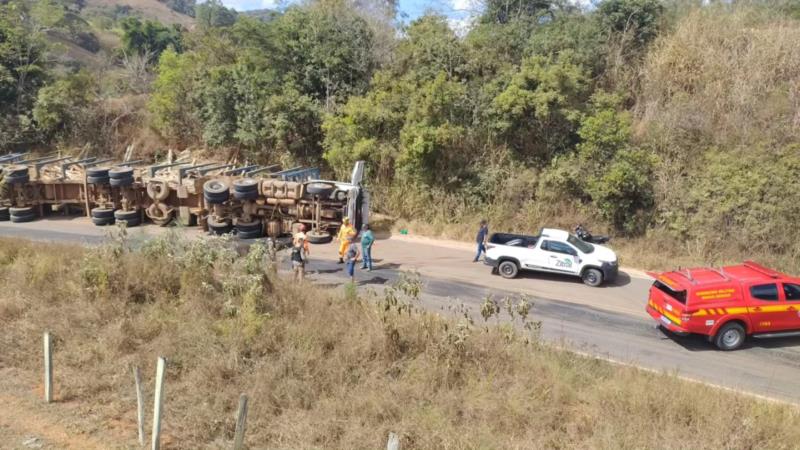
(367, 239)
(298, 261)
(351, 257)
(344, 237)
(483, 234)
(300, 236)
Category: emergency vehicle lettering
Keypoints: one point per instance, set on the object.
(716, 294)
(765, 324)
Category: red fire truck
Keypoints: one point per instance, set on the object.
(727, 304)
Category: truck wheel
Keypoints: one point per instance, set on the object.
(322, 237)
(158, 190)
(730, 337)
(320, 188)
(592, 277)
(508, 269)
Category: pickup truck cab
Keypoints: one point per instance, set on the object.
(727, 304)
(554, 251)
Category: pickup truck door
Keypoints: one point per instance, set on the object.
(789, 317)
(764, 305)
(560, 257)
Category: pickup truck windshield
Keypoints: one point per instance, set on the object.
(584, 247)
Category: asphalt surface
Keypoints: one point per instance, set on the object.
(608, 322)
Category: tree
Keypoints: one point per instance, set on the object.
(61, 107)
(149, 37)
(213, 14)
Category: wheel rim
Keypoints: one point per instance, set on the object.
(507, 269)
(731, 338)
(591, 277)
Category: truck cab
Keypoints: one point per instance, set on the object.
(727, 304)
(554, 251)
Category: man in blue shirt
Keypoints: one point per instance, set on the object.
(367, 239)
(483, 234)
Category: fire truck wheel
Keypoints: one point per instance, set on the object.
(320, 188)
(592, 277)
(102, 221)
(4, 214)
(97, 180)
(158, 190)
(103, 213)
(318, 237)
(508, 269)
(730, 336)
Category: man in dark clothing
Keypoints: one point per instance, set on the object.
(483, 234)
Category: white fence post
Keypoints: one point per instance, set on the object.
(137, 377)
(48, 368)
(241, 423)
(394, 442)
(158, 403)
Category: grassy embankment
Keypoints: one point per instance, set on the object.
(326, 371)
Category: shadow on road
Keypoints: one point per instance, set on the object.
(623, 279)
(373, 280)
(699, 343)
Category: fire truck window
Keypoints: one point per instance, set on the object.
(792, 292)
(767, 292)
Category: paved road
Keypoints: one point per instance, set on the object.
(609, 322)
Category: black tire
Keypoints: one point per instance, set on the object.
(322, 237)
(215, 187)
(246, 185)
(218, 227)
(249, 226)
(508, 269)
(252, 195)
(23, 219)
(15, 171)
(592, 277)
(730, 336)
(120, 182)
(100, 172)
(103, 213)
(17, 179)
(249, 234)
(97, 180)
(216, 199)
(320, 188)
(19, 212)
(127, 215)
(102, 221)
(120, 173)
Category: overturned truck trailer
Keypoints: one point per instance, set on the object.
(252, 201)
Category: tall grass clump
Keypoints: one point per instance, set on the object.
(323, 371)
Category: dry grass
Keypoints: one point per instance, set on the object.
(326, 372)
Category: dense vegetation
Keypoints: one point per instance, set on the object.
(646, 117)
(325, 370)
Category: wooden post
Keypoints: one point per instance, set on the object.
(48, 368)
(394, 442)
(158, 403)
(241, 423)
(137, 376)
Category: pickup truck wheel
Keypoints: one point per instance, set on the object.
(508, 269)
(592, 277)
(730, 337)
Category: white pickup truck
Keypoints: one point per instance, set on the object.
(555, 251)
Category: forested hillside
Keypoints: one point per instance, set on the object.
(670, 123)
